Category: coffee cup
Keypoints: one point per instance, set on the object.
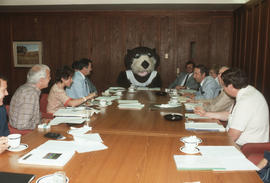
(119, 93)
(191, 146)
(14, 140)
(103, 102)
(131, 89)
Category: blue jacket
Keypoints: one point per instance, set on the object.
(209, 89)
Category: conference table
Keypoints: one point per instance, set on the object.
(141, 145)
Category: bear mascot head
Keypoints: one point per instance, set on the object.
(140, 63)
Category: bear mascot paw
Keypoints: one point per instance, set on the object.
(140, 63)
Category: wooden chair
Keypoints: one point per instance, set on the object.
(255, 151)
(43, 102)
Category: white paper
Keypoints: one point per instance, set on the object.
(128, 102)
(168, 105)
(79, 131)
(73, 112)
(130, 106)
(194, 116)
(51, 153)
(59, 120)
(88, 142)
(212, 126)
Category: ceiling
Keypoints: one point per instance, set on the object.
(85, 5)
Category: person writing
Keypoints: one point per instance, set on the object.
(57, 97)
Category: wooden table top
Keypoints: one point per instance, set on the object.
(140, 150)
(129, 159)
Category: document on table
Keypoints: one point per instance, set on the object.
(88, 142)
(107, 98)
(207, 126)
(59, 120)
(79, 131)
(128, 102)
(74, 111)
(51, 153)
(218, 158)
(194, 116)
(131, 106)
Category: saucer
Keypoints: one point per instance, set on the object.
(21, 147)
(185, 139)
(195, 151)
(48, 179)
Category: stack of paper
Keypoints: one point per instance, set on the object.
(194, 116)
(191, 106)
(74, 111)
(224, 158)
(59, 120)
(108, 98)
(130, 104)
(168, 105)
(187, 91)
(88, 142)
(51, 153)
(207, 126)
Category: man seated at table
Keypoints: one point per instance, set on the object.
(209, 88)
(249, 120)
(3, 116)
(222, 102)
(81, 86)
(57, 97)
(185, 79)
(24, 106)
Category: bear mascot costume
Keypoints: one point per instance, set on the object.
(140, 63)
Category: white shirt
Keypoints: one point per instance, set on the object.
(250, 115)
(189, 75)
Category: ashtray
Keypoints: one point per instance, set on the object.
(173, 117)
(161, 93)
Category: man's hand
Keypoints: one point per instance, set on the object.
(3, 144)
(200, 111)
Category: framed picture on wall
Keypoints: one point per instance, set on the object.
(27, 53)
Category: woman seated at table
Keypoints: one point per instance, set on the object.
(57, 97)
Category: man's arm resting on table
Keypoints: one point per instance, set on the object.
(234, 134)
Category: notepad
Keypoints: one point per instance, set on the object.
(79, 112)
(51, 153)
(217, 158)
(207, 126)
(73, 120)
(194, 116)
(16, 177)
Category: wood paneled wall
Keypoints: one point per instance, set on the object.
(105, 36)
(252, 43)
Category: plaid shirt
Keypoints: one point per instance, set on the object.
(24, 107)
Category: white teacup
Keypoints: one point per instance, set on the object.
(103, 102)
(119, 93)
(131, 89)
(191, 146)
(14, 140)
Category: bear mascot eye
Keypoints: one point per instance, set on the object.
(140, 72)
(137, 55)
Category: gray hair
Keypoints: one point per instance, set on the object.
(37, 72)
